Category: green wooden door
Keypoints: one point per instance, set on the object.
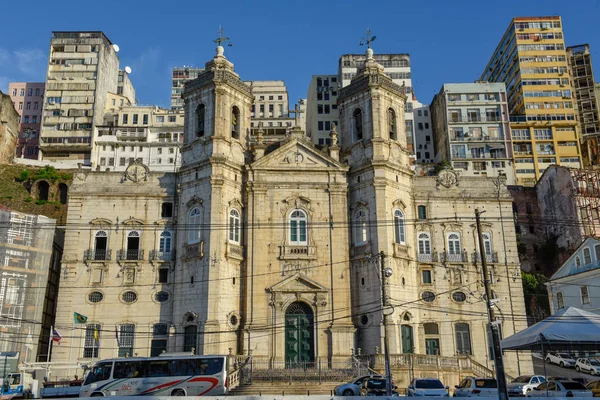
(299, 335)
(407, 339)
(432, 346)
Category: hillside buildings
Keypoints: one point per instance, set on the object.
(83, 70)
(272, 247)
(28, 99)
(424, 139)
(270, 110)
(471, 129)
(582, 81)
(180, 75)
(322, 108)
(531, 60)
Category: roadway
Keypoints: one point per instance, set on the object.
(556, 370)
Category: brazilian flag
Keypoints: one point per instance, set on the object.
(79, 318)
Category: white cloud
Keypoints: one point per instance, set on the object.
(148, 59)
(29, 61)
(4, 56)
(4, 81)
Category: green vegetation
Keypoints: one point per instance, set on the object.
(48, 173)
(536, 295)
(441, 166)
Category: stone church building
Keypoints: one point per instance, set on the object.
(276, 249)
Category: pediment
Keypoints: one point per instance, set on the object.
(133, 221)
(297, 154)
(297, 283)
(101, 221)
(194, 200)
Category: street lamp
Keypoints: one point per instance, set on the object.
(386, 310)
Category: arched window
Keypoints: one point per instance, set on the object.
(164, 246)
(399, 227)
(360, 227)
(194, 221)
(200, 118)
(358, 124)
(424, 243)
(463, 338)
(560, 301)
(454, 243)
(234, 226)
(392, 123)
(189, 338)
(235, 122)
(298, 230)
(487, 243)
(101, 245)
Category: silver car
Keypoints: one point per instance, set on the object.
(353, 388)
(560, 389)
(427, 387)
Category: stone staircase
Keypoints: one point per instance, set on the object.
(285, 389)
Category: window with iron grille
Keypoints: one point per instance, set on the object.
(159, 339)
(463, 338)
(91, 342)
(126, 340)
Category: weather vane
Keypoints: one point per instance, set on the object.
(221, 39)
(368, 40)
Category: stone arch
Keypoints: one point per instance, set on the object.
(42, 188)
(63, 193)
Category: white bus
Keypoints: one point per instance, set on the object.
(157, 376)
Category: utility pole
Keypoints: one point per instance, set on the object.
(498, 361)
(385, 273)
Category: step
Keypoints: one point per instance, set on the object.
(297, 388)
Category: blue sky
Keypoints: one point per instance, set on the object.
(288, 40)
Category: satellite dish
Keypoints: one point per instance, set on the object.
(128, 69)
(116, 47)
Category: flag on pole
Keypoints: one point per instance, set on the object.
(95, 333)
(117, 335)
(79, 318)
(56, 336)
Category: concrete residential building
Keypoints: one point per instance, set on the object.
(180, 253)
(531, 60)
(322, 108)
(9, 129)
(271, 110)
(28, 98)
(577, 281)
(424, 139)
(83, 69)
(471, 129)
(180, 76)
(146, 134)
(582, 81)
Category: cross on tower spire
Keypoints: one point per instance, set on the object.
(221, 40)
(367, 39)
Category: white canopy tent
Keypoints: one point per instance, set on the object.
(569, 329)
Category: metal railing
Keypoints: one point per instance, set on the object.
(130, 254)
(469, 138)
(454, 257)
(161, 255)
(478, 118)
(99, 255)
(489, 257)
(427, 258)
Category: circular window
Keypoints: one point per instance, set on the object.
(161, 296)
(233, 320)
(129, 297)
(364, 320)
(459, 297)
(428, 296)
(95, 297)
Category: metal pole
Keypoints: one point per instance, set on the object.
(498, 361)
(4, 373)
(386, 339)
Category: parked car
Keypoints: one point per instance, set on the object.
(352, 388)
(589, 365)
(523, 384)
(476, 387)
(427, 387)
(562, 359)
(594, 386)
(375, 387)
(561, 389)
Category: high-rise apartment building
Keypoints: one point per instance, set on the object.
(83, 69)
(28, 98)
(180, 76)
(471, 129)
(582, 80)
(270, 110)
(532, 61)
(424, 145)
(322, 108)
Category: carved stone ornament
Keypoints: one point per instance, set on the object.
(136, 172)
(447, 178)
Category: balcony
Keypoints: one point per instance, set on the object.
(235, 251)
(130, 255)
(156, 255)
(453, 119)
(427, 258)
(70, 142)
(300, 252)
(131, 133)
(482, 138)
(454, 257)
(489, 257)
(194, 250)
(97, 255)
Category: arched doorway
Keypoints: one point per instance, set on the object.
(299, 334)
(43, 190)
(63, 191)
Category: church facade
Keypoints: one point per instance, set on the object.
(275, 249)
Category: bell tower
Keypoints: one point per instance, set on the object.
(216, 134)
(373, 145)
